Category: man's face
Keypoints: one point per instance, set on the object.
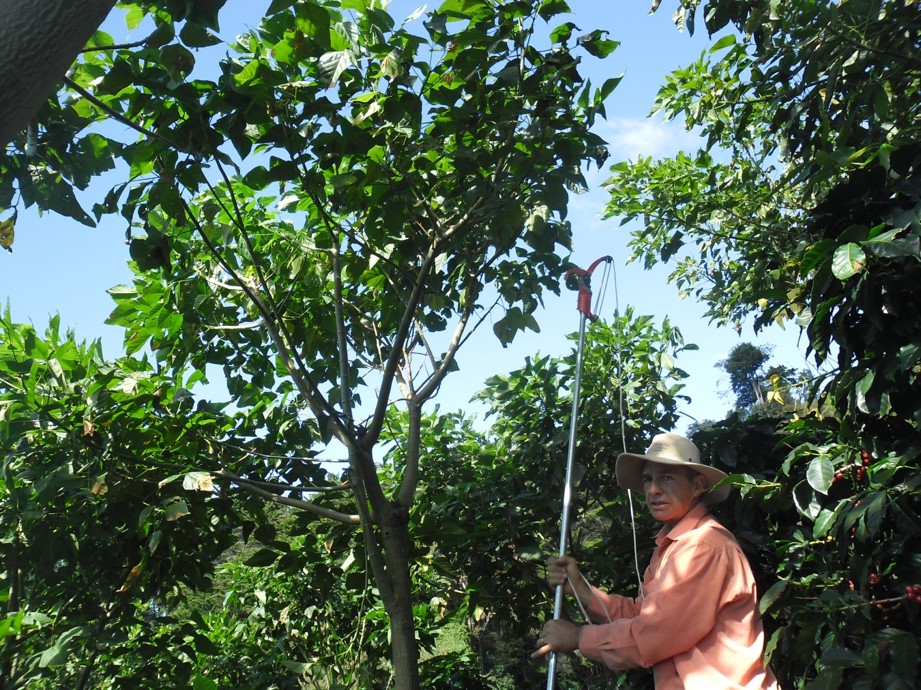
(670, 491)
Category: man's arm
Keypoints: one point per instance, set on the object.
(679, 610)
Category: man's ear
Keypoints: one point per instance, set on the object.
(700, 485)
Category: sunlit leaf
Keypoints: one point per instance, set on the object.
(848, 260)
(198, 481)
(7, 233)
(175, 510)
(820, 474)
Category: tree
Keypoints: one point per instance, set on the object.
(97, 518)
(802, 207)
(760, 389)
(319, 216)
(744, 364)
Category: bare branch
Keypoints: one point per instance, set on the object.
(407, 491)
(289, 357)
(115, 46)
(306, 506)
(237, 327)
(393, 358)
(217, 283)
(118, 116)
(281, 487)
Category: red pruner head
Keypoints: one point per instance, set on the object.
(581, 279)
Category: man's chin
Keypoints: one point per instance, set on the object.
(659, 512)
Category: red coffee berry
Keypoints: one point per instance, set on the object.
(873, 578)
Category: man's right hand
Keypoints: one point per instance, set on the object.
(564, 571)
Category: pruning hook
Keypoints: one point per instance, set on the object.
(581, 279)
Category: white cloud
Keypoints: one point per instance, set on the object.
(632, 137)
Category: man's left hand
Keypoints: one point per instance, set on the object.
(557, 636)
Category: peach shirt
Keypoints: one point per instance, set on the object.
(696, 620)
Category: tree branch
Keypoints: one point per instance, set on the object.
(306, 506)
(308, 389)
(407, 491)
(116, 46)
(114, 114)
(374, 428)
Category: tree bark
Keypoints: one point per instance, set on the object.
(389, 549)
(40, 40)
(397, 552)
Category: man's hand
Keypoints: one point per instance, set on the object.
(564, 571)
(557, 636)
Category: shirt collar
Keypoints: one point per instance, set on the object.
(684, 525)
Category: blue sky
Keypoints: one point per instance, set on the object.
(59, 266)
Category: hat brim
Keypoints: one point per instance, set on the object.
(629, 471)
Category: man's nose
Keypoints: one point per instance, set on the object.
(652, 488)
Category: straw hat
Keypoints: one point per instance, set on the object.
(669, 449)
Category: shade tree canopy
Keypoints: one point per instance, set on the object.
(324, 217)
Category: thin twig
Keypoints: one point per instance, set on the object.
(306, 506)
(121, 118)
(115, 46)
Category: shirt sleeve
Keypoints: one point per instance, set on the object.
(605, 607)
(679, 610)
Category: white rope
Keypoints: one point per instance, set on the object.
(610, 270)
(591, 589)
(623, 432)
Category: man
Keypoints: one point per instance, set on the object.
(695, 621)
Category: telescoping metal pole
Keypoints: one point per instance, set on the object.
(580, 280)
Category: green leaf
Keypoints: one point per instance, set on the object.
(460, 9)
(848, 260)
(820, 474)
(562, 33)
(134, 16)
(263, 557)
(607, 88)
(548, 9)
(597, 45)
(805, 500)
(862, 389)
(824, 522)
(841, 657)
(313, 20)
(828, 679)
(176, 510)
(279, 5)
(333, 64)
(197, 36)
(7, 233)
(772, 595)
(200, 682)
(299, 667)
(57, 654)
(724, 42)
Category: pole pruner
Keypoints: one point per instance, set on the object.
(576, 279)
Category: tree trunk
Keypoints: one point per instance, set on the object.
(40, 41)
(397, 551)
